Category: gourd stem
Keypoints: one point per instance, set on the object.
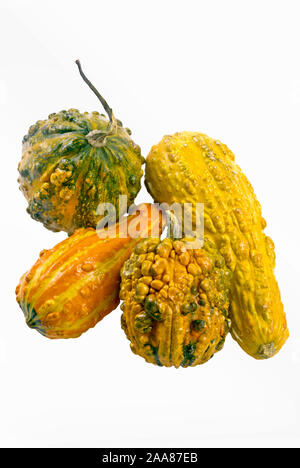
(107, 109)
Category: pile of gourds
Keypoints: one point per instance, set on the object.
(179, 303)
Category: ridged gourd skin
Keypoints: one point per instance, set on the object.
(76, 283)
(191, 167)
(175, 309)
(64, 174)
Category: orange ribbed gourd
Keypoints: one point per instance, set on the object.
(75, 284)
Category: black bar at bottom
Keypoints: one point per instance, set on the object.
(93, 457)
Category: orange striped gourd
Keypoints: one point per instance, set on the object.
(76, 283)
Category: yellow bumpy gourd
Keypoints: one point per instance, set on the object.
(190, 167)
(175, 310)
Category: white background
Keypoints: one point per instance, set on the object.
(230, 69)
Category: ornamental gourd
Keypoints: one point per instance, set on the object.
(72, 162)
(175, 309)
(74, 285)
(191, 167)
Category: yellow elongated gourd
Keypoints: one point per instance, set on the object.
(190, 167)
